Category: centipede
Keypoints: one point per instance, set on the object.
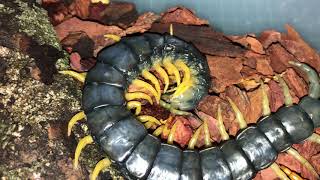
(164, 71)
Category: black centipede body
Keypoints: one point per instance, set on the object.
(140, 155)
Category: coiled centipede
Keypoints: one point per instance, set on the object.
(129, 71)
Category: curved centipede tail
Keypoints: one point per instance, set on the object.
(314, 86)
(102, 164)
(310, 104)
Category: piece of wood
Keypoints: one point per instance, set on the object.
(204, 38)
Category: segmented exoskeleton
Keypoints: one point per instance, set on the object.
(140, 155)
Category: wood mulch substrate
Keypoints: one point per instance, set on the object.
(237, 63)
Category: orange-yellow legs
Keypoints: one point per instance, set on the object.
(292, 175)
(149, 76)
(279, 172)
(239, 117)
(79, 76)
(134, 105)
(149, 121)
(79, 116)
(171, 134)
(163, 128)
(194, 138)
(171, 69)
(138, 95)
(186, 81)
(303, 161)
(286, 92)
(163, 74)
(82, 143)
(314, 138)
(148, 87)
(114, 37)
(102, 164)
(102, 1)
(220, 125)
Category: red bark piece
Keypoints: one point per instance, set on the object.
(240, 98)
(143, 23)
(224, 71)
(315, 161)
(307, 150)
(276, 99)
(250, 62)
(263, 66)
(75, 64)
(121, 14)
(80, 8)
(79, 42)
(289, 161)
(209, 105)
(183, 132)
(212, 125)
(92, 29)
(317, 130)
(268, 37)
(194, 122)
(204, 38)
(255, 107)
(266, 174)
(279, 58)
(249, 42)
(182, 15)
(295, 83)
(294, 43)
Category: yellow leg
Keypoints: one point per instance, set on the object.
(242, 122)
(314, 138)
(136, 105)
(171, 69)
(286, 92)
(146, 118)
(163, 75)
(82, 143)
(276, 169)
(265, 100)
(158, 131)
(147, 86)
(102, 164)
(221, 127)
(79, 76)
(112, 36)
(75, 119)
(182, 88)
(292, 175)
(138, 95)
(148, 124)
(171, 134)
(303, 161)
(194, 138)
(171, 29)
(207, 138)
(147, 75)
